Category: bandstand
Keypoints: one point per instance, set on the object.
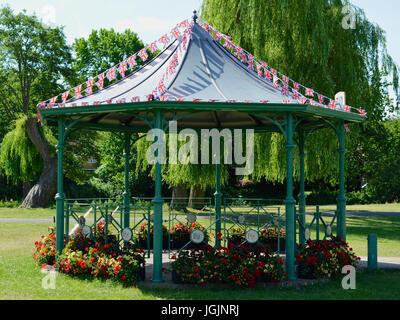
(201, 80)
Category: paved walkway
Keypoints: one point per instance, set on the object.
(383, 262)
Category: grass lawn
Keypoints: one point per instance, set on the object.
(20, 278)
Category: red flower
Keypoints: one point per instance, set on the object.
(299, 257)
(123, 277)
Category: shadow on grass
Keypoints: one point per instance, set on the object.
(384, 228)
(370, 286)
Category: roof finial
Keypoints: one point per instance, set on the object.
(194, 16)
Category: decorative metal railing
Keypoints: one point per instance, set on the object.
(88, 213)
(249, 215)
(321, 225)
(244, 220)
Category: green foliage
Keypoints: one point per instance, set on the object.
(102, 50)
(382, 163)
(9, 204)
(19, 159)
(34, 58)
(306, 41)
(109, 177)
(177, 174)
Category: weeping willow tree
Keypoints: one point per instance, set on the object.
(306, 41)
(179, 174)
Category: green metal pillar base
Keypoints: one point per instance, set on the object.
(372, 252)
(126, 194)
(341, 199)
(290, 239)
(217, 197)
(60, 196)
(290, 201)
(302, 194)
(158, 212)
(157, 240)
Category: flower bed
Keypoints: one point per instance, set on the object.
(236, 265)
(179, 236)
(324, 258)
(93, 258)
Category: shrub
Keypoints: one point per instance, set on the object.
(325, 258)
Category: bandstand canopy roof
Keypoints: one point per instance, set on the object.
(199, 81)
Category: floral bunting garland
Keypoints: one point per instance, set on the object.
(171, 69)
(121, 68)
(288, 87)
(278, 79)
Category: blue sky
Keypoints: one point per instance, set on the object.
(150, 19)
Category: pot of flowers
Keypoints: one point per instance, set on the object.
(181, 236)
(269, 237)
(142, 237)
(236, 237)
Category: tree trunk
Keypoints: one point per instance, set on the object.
(179, 198)
(196, 199)
(26, 186)
(40, 194)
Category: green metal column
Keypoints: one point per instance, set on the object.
(290, 201)
(60, 196)
(302, 194)
(126, 193)
(217, 197)
(372, 252)
(158, 208)
(341, 200)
